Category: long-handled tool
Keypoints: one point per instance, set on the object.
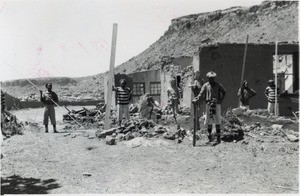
(244, 63)
(39, 90)
(195, 122)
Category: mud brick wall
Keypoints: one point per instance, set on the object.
(146, 77)
(227, 61)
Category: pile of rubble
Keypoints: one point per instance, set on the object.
(146, 108)
(259, 124)
(148, 120)
(140, 128)
(232, 129)
(85, 115)
(10, 125)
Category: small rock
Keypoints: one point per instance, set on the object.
(110, 140)
(238, 111)
(92, 137)
(104, 133)
(86, 174)
(129, 129)
(134, 109)
(292, 138)
(120, 136)
(159, 130)
(74, 135)
(179, 140)
(86, 135)
(143, 130)
(247, 112)
(67, 134)
(245, 142)
(128, 136)
(276, 126)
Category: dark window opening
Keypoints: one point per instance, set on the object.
(286, 75)
(138, 89)
(155, 88)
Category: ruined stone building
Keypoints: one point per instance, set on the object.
(226, 59)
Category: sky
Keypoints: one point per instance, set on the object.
(72, 38)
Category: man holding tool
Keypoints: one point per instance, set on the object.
(49, 99)
(214, 94)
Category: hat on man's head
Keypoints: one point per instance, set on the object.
(271, 81)
(211, 74)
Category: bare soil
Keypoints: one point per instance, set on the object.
(37, 162)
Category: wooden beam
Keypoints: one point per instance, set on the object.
(244, 63)
(276, 84)
(111, 76)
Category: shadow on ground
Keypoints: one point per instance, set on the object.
(18, 185)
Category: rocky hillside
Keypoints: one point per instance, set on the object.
(268, 22)
(264, 23)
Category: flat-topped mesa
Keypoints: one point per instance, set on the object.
(237, 12)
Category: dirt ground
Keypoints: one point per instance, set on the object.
(37, 162)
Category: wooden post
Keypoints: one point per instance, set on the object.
(195, 122)
(276, 60)
(111, 76)
(244, 62)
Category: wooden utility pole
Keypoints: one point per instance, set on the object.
(111, 76)
(244, 62)
(276, 84)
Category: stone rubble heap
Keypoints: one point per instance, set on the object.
(140, 128)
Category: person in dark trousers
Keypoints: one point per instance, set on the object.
(214, 94)
(196, 88)
(2, 108)
(244, 94)
(270, 94)
(49, 99)
(124, 95)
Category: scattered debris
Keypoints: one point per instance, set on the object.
(292, 138)
(86, 174)
(231, 128)
(10, 125)
(67, 134)
(110, 140)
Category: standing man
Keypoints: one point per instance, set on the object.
(270, 94)
(124, 95)
(244, 94)
(196, 88)
(214, 94)
(49, 99)
(2, 108)
(173, 96)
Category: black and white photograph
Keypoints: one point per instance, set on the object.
(149, 97)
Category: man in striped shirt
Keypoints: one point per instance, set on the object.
(270, 94)
(124, 96)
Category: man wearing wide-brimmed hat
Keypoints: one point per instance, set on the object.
(214, 94)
